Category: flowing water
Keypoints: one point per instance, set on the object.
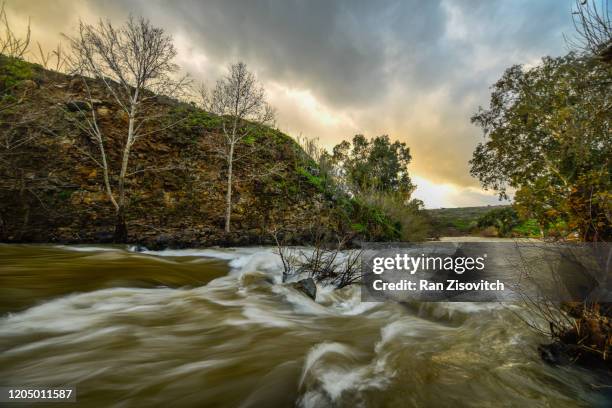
(215, 328)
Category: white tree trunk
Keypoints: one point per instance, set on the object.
(107, 185)
(120, 227)
(228, 197)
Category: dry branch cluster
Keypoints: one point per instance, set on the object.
(593, 24)
(580, 331)
(327, 261)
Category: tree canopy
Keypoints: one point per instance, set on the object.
(376, 164)
(547, 134)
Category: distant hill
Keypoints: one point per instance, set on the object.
(458, 221)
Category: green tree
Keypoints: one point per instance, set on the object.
(547, 134)
(375, 172)
(374, 165)
(503, 219)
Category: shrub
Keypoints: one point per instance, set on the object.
(326, 262)
(12, 71)
(503, 219)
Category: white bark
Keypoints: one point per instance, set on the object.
(128, 61)
(228, 196)
(240, 103)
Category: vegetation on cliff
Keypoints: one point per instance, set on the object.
(52, 189)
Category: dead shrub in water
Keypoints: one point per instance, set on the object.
(329, 261)
(580, 331)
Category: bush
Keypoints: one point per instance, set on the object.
(409, 219)
(371, 213)
(580, 331)
(13, 71)
(327, 262)
(528, 228)
(503, 219)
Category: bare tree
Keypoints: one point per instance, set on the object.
(240, 103)
(593, 28)
(12, 45)
(134, 62)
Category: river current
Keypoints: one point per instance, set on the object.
(216, 328)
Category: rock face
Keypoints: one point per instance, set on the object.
(76, 106)
(307, 287)
(52, 189)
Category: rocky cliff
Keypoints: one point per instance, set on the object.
(51, 189)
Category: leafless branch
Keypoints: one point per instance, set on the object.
(593, 26)
(134, 62)
(10, 44)
(240, 103)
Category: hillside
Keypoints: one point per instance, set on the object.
(487, 221)
(51, 189)
(458, 221)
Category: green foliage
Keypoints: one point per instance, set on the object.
(358, 227)
(503, 219)
(457, 221)
(369, 221)
(281, 138)
(249, 140)
(527, 228)
(14, 70)
(408, 218)
(375, 225)
(316, 181)
(548, 135)
(463, 225)
(255, 133)
(288, 186)
(194, 119)
(64, 194)
(375, 164)
(369, 182)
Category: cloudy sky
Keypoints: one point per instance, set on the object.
(413, 69)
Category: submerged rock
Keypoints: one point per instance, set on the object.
(307, 287)
(554, 353)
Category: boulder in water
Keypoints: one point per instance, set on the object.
(307, 287)
(555, 353)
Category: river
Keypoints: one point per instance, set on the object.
(215, 328)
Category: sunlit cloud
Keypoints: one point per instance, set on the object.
(300, 113)
(444, 195)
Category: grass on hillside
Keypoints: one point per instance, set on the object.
(464, 221)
